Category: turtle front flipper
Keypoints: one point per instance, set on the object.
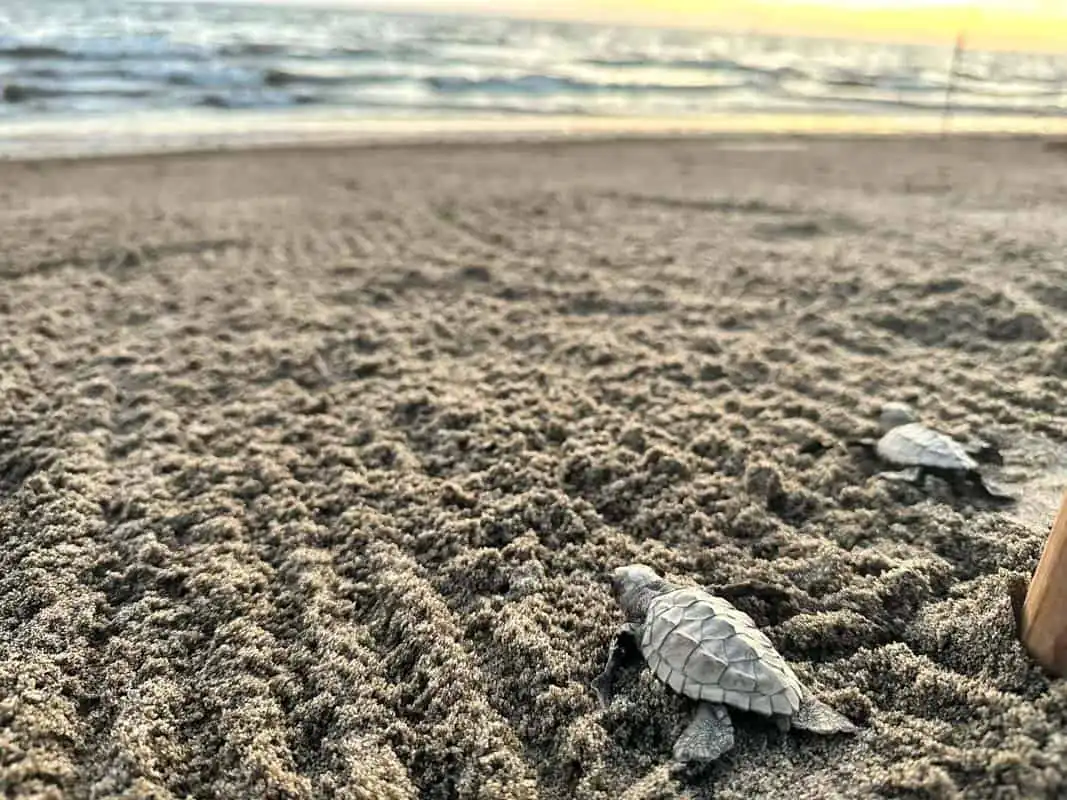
(913, 475)
(984, 452)
(867, 444)
(622, 651)
(815, 716)
(709, 735)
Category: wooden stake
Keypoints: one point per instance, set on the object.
(1043, 621)
(957, 53)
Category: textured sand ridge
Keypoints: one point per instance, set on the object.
(312, 465)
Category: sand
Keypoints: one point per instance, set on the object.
(313, 464)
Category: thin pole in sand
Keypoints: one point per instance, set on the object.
(1043, 617)
(957, 54)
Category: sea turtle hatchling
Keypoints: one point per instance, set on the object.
(704, 648)
(918, 451)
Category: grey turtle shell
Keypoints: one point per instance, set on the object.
(915, 445)
(705, 648)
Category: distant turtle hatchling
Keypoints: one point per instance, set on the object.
(706, 649)
(920, 451)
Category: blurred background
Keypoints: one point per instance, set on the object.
(94, 72)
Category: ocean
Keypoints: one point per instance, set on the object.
(71, 61)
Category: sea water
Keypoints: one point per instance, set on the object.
(121, 64)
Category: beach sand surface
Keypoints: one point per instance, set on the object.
(313, 464)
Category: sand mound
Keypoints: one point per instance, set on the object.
(312, 465)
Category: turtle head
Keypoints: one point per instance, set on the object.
(634, 586)
(895, 414)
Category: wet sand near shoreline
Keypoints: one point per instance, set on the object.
(313, 463)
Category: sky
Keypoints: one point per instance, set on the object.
(1000, 24)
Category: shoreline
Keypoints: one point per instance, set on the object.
(152, 134)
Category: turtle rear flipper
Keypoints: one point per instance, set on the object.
(992, 491)
(709, 735)
(815, 716)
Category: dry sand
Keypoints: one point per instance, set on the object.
(312, 464)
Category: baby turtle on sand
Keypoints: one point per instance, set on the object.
(922, 451)
(706, 649)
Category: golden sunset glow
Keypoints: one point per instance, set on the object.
(1029, 25)
(1023, 24)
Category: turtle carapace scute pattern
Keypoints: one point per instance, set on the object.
(703, 647)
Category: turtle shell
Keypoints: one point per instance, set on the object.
(705, 648)
(915, 445)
